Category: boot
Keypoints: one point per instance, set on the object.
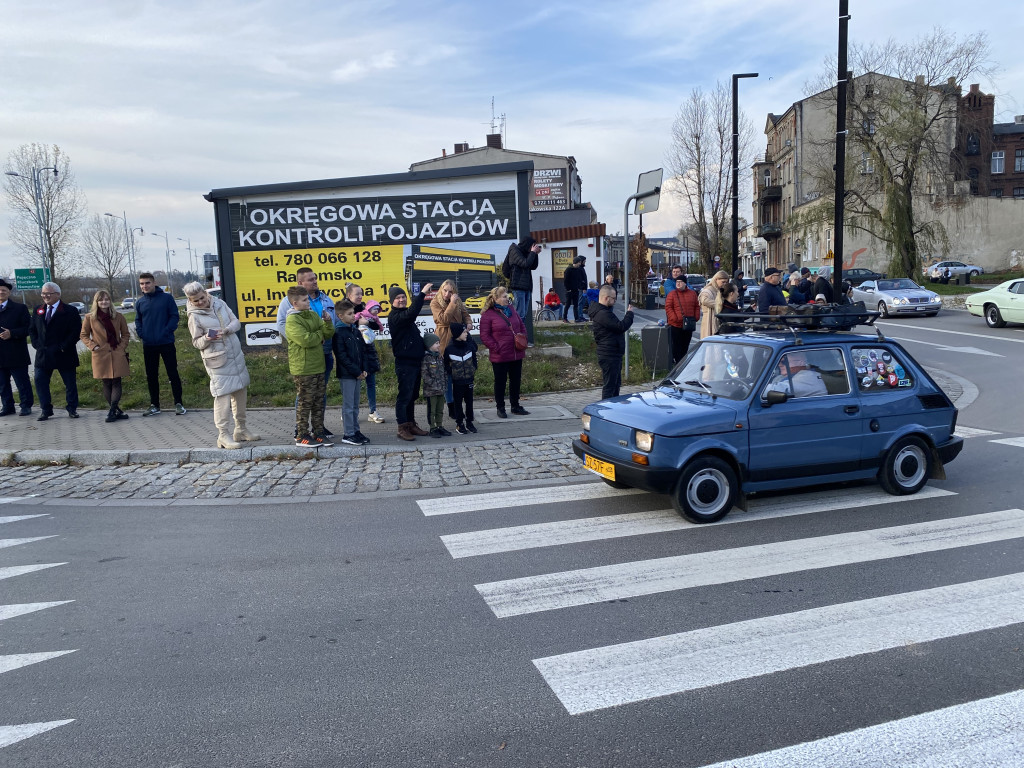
(119, 414)
(238, 406)
(404, 433)
(224, 441)
(222, 419)
(111, 414)
(417, 430)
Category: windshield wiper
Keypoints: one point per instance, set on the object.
(701, 384)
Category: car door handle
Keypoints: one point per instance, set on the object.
(851, 409)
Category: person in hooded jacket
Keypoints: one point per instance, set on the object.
(460, 362)
(681, 314)
(214, 331)
(407, 346)
(610, 337)
(823, 286)
(523, 259)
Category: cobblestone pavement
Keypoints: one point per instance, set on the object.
(514, 451)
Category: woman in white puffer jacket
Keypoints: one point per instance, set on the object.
(213, 327)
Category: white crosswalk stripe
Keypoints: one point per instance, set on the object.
(17, 542)
(11, 734)
(17, 660)
(605, 677)
(551, 591)
(12, 499)
(1014, 441)
(19, 570)
(966, 432)
(492, 541)
(451, 505)
(17, 518)
(979, 734)
(20, 609)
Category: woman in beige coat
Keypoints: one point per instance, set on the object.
(710, 300)
(105, 334)
(447, 308)
(213, 327)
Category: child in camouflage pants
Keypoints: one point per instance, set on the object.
(306, 332)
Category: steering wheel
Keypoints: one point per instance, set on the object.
(739, 386)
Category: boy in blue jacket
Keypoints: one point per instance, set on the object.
(156, 320)
(350, 354)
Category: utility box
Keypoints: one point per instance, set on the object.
(656, 348)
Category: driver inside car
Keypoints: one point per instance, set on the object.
(795, 379)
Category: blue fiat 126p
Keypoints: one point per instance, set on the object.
(774, 403)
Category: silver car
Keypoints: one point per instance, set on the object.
(898, 296)
(955, 268)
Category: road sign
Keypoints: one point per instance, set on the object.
(30, 279)
(648, 185)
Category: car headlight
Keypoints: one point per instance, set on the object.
(585, 418)
(936, 299)
(644, 441)
(898, 300)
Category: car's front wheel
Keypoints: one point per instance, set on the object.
(706, 491)
(975, 273)
(993, 318)
(907, 467)
(883, 310)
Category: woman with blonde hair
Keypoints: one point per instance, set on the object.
(213, 327)
(710, 300)
(105, 334)
(499, 327)
(447, 308)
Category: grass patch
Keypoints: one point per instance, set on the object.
(271, 384)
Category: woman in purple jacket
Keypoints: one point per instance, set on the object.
(498, 325)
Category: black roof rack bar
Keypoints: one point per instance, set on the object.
(829, 317)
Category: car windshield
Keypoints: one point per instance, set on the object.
(897, 285)
(724, 369)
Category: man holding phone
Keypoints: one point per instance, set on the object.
(15, 322)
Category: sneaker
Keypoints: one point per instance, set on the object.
(361, 437)
(502, 414)
(306, 441)
(151, 411)
(351, 440)
(444, 432)
(322, 442)
(179, 409)
(375, 418)
(471, 427)
(328, 433)
(461, 429)
(518, 410)
(435, 432)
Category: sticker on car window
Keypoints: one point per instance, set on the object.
(880, 370)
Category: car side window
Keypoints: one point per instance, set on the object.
(879, 370)
(810, 373)
(1017, 288)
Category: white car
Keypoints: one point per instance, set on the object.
(999, 305)
(955, 268)
(897, 296)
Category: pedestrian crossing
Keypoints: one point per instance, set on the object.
(12, 662)
(684, 663)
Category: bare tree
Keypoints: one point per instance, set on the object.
(700, 159)
(61, 206)
(104, 248)
(902, 118)
(638, 265)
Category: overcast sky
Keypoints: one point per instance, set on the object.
(156, 103)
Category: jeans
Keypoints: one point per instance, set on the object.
(408, 375)
(350, 405)
(21, 381)
(371, 391)
(572, 301)
(513, 373)
(611, 376)
(152, 354)
(67, 375)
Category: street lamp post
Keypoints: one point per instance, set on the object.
(40, 222)
(129, 234)
(167, 253)
(190, 254)
(736, 168)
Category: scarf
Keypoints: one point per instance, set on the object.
(108, 327)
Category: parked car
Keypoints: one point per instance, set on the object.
(1000, 305)
(955, 268)
(858, 275)
(264, 333)
(82, 309)
(696, 282)
(738, 416)
(751, 293)
(128, 304)
(900, 296)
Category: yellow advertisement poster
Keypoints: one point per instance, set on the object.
(262, 278)
(561, 259)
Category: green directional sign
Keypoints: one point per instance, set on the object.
(30, 279)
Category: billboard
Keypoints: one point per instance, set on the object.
(418, 227)
(549, 190)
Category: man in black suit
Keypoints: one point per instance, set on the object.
(56, 327)
(14, 359)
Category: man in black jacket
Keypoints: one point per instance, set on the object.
(407, 346)
(523, 259)
(575, 280)
(14, 359)
(55, 329)
(823, 286)
(610, 337)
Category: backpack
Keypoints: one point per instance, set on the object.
(506, 269)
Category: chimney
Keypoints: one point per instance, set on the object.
(463, 147)
(1019, 120)
(975, 88)
(444, 152)
(494, 140)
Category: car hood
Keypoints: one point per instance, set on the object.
(913, 293)
(671, 413)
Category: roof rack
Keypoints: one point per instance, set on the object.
(809, 317)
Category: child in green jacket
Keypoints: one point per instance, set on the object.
(306, 332)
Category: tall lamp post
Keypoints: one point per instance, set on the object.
(129, 233)
(40, 222)
(190, 254)
(167, 254)
(736, 168)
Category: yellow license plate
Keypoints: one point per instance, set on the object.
(603, 468)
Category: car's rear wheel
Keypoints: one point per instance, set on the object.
(706, 491)
(907, 467)
(883, 310)
(975, 273)
(993, 318)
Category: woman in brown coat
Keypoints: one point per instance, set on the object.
(105, 333)
(447, 308)
(710, 299)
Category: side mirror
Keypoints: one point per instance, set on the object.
(774, 397)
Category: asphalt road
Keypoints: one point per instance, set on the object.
(382, 633)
